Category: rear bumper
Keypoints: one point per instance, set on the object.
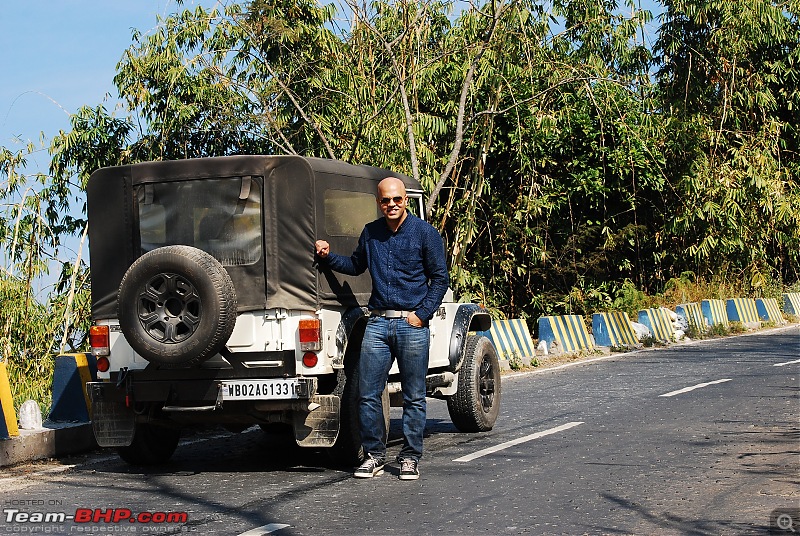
(208, 394)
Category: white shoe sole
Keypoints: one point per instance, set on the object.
(379, 472)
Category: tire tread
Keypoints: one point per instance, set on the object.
(464, 406)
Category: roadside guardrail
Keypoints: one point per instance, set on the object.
(613, 329)
(569, 332)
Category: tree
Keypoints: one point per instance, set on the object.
(35, 325)
(729, 80)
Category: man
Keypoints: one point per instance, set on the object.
(405, 257)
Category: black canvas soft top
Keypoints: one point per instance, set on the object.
(293, 191)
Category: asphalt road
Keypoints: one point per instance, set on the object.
(698, 439)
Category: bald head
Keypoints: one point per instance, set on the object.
(392, 201)
(391, 182)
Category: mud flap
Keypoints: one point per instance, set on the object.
(320, 426)
(112, 422)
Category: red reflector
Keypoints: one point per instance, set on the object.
(103, 364)
(309, 330)
(310, 360)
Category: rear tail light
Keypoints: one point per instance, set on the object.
(98, 340)
(310, 335)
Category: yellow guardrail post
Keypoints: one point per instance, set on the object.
(769, 310)
(568, 331)
(791, 303)
(512, 336)
(70, 400)
(613, 329)
(9, 426)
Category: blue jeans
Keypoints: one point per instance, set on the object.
(384, 340)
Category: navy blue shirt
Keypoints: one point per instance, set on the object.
(408, 268)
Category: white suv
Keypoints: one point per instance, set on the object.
(208, 308)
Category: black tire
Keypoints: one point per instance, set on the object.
(280, 439)
(177, 306)
(347, 450)
(475, 405)
(151, 445)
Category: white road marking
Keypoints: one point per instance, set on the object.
(787, 363)
(501, 446)
(693, 387)
(266, 529)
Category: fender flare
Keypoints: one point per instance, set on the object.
(469, 317)
(347, 324)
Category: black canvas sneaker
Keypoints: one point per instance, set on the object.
(408, 469)
(372, 466)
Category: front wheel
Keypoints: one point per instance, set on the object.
(475, 405)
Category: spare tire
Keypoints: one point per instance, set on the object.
(177, 306)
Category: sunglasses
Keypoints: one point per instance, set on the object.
(397, 200)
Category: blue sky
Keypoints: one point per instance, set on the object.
(58, 55)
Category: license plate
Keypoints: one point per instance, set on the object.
(261, 389)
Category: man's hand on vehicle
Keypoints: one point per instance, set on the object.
(323, 248)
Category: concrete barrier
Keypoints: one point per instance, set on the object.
(568, 331)
(70, 400)
(613, 329)
(692, 313)
(657, 319)
(791, 303)
(714, 312)
(512, 337)
(742, 310)
(52, 441)
(769, 310)
(8, 426)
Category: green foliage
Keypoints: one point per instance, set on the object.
(515, 360)
(718, 330)
(696, 332)
(34, 326)
(649, 341)
(630, 299)
(736, 327)
(729, 78)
